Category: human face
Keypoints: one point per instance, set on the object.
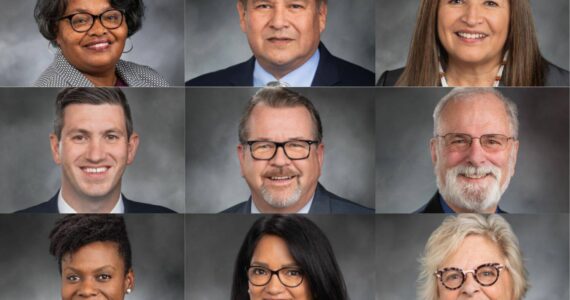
(93, 152)
(281, 184)
(283, 34)
(95, 271)
(97, 50)
(476, 250)
(473, 31)
(473, 180)
(273, 253)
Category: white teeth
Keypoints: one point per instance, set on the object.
(471, 35)
(95, 170)
(280, 178)
(475, 176)
(99, 45)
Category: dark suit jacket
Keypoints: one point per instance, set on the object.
(324, 202)
(555, 76)
(330, 71)
(131, 207)
(434, 206)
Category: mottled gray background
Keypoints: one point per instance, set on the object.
(395, 21)
(404, 172)
(212, 167)
(30, 272)
(25, 54)
(29, 175)
(215, 41)
(211, 252)
(400, 240)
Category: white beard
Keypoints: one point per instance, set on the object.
(281, 202)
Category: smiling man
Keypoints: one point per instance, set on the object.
(284, 36)
(474, 150)
(93, 141)
(281, 153)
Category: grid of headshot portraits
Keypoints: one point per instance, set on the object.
(285, 149)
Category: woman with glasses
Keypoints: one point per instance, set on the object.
(90, 37)
(471, 255)
(287, 257)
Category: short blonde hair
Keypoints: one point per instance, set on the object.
(448, 237)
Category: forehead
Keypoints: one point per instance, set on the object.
(93, 6)
(94, 116)
(474, 251)
(93, 256)
(476, 114)
(273, 251)
(280, 123)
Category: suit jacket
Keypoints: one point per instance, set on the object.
(131, 207)
(434, 206)
(324, 202)
(62, 74)
(555, 76)
(330, 71)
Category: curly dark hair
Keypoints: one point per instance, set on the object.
(47, 13)
(75, 231)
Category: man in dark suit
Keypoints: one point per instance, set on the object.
(474, 151)
(281, 154)
(285, 41)
(93, 141)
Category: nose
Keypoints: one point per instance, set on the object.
(87, 288)
(95, 151)
(279, 18)
(274, 286)
(471, 15)
(470, 286)
(97, 28)
(280, 159)
(476, 155)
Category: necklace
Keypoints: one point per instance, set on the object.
(497, 78)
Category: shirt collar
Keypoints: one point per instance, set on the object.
(304, 210)
(300, 77)
(64, 208)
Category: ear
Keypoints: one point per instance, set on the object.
(130, 280)
(323, 15)
(514, 154)
(321, 154)
(433, 150)
(241, 156)
(54, 146)
(132, 146)
(241, 12)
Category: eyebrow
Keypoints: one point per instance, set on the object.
(260, 264)
(95, 271)
(87, 132)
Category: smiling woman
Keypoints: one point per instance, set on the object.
(90, 37)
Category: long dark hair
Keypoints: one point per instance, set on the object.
(308, 246)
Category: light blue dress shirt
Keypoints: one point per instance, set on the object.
(302, 76)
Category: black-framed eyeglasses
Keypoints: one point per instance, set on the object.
(294, 150)
(288, 276)
(462, 141)
(486, 275)
(83, 22)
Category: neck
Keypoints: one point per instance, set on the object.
(464, 74)
(106, 78)
(86, 204)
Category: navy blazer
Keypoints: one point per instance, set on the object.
(330, 71)
(324, 202)
(434, 206)
(131, 207)
(555, 76)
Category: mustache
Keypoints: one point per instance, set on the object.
(280, 172)
(473, 171)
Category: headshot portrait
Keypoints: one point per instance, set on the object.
(92, 256)
(472, 256)
(85, 150)
(472, 43)
(253, 42)
(472, 150)
(280, 257)
(78, 43)
(277, 150)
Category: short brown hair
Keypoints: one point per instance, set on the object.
(319, 2)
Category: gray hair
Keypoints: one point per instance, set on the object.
(278, 97)
(458, 94)
(450, 234)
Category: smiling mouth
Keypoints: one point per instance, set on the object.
(95, 171)
(98, 46)
(471, 36)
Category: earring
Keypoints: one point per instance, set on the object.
(129, 290)
(132, 45)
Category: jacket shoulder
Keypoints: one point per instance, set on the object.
(140, 75)
(139, 207)
(223, 77)
(352, 74)
(339, 205)
(556, 76)
(44, 207)
(390, 77)
(238, 208)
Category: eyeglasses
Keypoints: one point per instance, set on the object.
(486, 275)
(462, 141)
(288, 276)
(83, 22)
(294, 150)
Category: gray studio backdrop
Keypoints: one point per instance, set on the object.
(404, 172)
(25, 54)
(215, 41)
(30, 176)
(211, 253)
(30, 272)
(395, 22)
(213, 174)
(400, 240)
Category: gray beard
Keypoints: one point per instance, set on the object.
(283, 202)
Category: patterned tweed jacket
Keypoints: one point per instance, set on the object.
(62, 74)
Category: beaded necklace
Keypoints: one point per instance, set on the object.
(497, 78)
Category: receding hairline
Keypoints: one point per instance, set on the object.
(264, 104)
